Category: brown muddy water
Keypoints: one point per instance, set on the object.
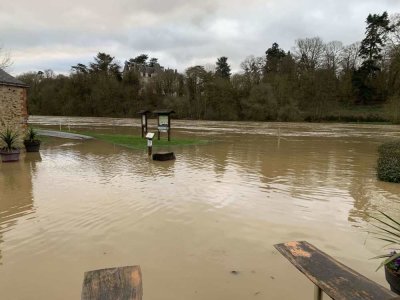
(220, 207)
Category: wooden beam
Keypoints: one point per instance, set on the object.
(124, 283)
(336, 280)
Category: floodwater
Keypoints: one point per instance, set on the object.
(220, 207)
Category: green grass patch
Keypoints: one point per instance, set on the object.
(136, 142)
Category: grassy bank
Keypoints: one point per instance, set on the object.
(136, 142)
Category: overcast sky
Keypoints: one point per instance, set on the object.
(51, 34)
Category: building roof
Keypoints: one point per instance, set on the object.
(143, 111)
(163, 111)
(7, 79)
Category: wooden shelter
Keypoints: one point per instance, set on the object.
(164, 121)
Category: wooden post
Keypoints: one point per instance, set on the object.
(169, 128)
(115, 283)
(317, 293)
(143, 121)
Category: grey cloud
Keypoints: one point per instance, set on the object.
(179, 32)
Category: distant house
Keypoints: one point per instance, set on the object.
(144, 70)
(13, 102)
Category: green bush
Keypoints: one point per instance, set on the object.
(389, 162)
(392, 109)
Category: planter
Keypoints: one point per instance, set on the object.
(32, 146)
(393, 278)
(164, 156)
(9, 156)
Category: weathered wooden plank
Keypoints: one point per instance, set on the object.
(335, 279)
(124, 283)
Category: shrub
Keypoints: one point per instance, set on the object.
(9, 140)
(388, 168)
(392, 109)
(31, 135)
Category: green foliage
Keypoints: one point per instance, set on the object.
(223, 69)
(9, 139)
(141, 59)
(388, 230)
(375, 37)
(378, 27)
(31, 134)
(392, 109)
(274, 56)
(153, 61)
(388, 168)
(261, 104)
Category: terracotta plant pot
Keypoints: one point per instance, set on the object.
(393, 278)
(9, 156)
(32, 146)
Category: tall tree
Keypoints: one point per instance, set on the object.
(309, 52)
(274, 56)
(80, 69)
(253, 69)
(378, 27)
(153, 61)
(332, 55)
(141, 59)
(223, 69)
(376, 33)
(196, 80)
(104, 63)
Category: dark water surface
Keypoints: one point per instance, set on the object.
(83, 205)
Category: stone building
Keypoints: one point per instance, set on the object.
(13, 102)
(144, 70)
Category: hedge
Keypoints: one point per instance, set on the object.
(388, 168)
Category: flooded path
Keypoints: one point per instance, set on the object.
(220, 207)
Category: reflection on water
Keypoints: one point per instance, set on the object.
(188, 223)
(16, 199)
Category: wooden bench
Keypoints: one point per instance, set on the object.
(330, 276)
(124, 283)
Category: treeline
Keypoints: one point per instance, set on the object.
(315, 81)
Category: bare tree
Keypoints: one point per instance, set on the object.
(332, 55)
(5, 59)
(309, 52)
(394, 36)
(253, 68)
(350, 60)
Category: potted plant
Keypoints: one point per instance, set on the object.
(32, 144)
(389, 231)
(9, 152)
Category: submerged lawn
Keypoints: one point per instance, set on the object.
(136, 142)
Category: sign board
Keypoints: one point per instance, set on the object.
(143, 119)
(150, 135)
(163, 120)
(163, 128)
